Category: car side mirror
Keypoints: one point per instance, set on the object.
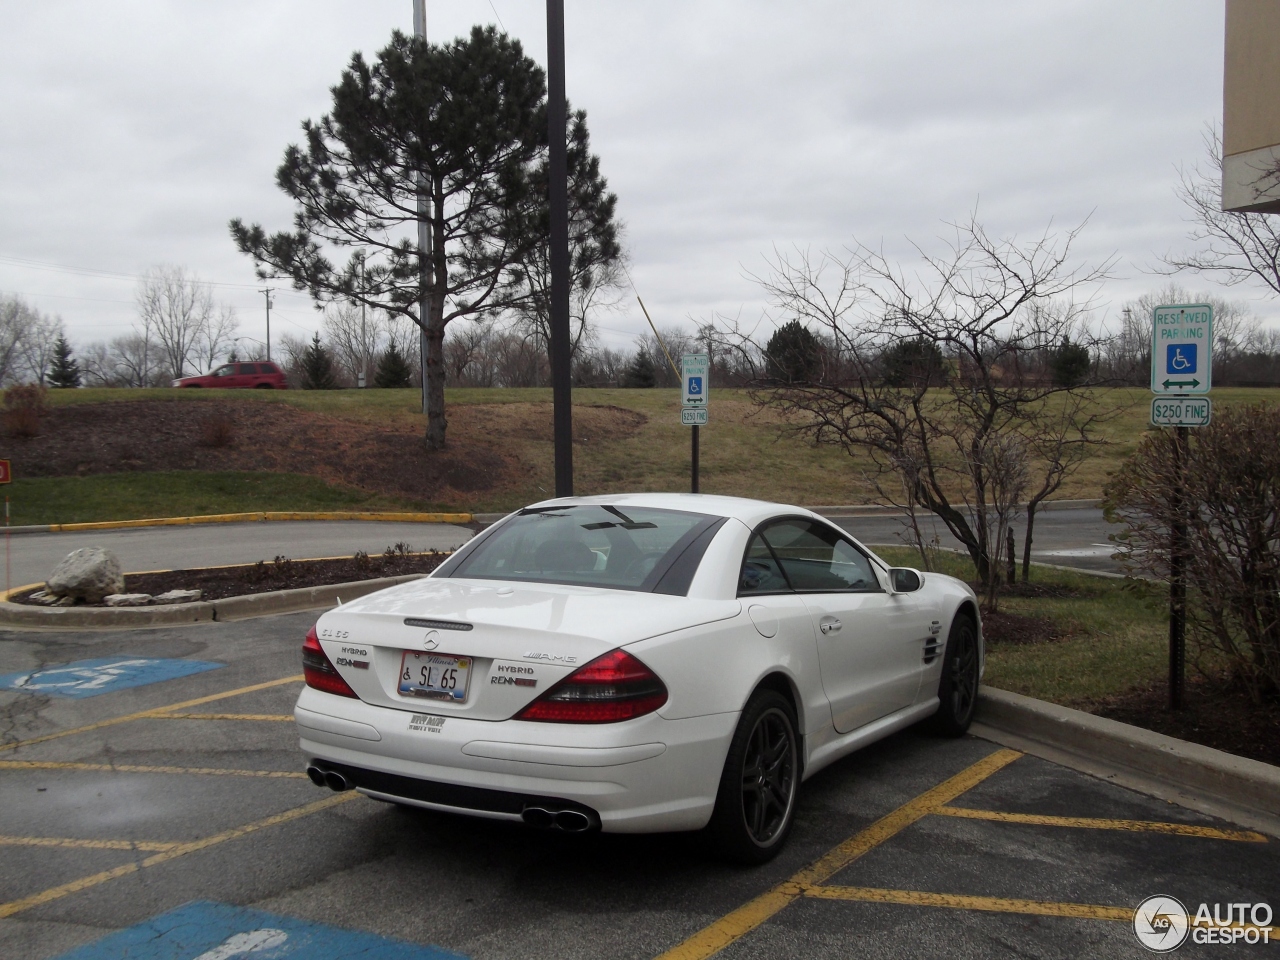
(905, 579)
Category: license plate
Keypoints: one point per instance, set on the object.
(434, 677)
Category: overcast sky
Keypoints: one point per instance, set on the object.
(131, 131)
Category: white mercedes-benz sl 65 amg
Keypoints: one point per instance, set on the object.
(635, 663)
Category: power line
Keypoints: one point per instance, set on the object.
(131, 278)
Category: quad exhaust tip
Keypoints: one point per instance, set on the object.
(569, 821)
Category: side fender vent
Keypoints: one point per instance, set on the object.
(932, 649)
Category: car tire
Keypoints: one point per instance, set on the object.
(756, 803)
(958, 687)
(262, 386)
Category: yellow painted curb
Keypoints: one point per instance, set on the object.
(264, 515)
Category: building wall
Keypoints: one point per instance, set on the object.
(1251, 106)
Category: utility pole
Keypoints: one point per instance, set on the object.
(561, 382)
(266, 292)
(424, 229)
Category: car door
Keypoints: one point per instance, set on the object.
(775, 610)
(869, 641)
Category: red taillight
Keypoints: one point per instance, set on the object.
(614, 687)
(318, 671)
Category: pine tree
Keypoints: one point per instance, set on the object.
(64, 372)
(1069, 364)
(640, 372)
(317, 367)
(393, 369)
(793, 354)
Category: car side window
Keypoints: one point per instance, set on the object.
(248, 368)
(226, 370)
(816, 558)
(760, 573)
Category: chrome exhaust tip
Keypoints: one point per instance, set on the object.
(572, 821)
(538, 817)
(336, 781)
(316, 775)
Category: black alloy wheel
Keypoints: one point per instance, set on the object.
(756, 803)
(958, 687)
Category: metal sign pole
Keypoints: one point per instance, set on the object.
(1177, 580)
(694, 459)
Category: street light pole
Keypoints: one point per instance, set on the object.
(561, 383)
(424, 229)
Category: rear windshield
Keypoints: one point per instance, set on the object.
(625, 548)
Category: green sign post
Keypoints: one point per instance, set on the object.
(1181, 372)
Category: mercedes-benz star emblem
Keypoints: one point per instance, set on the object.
(431, 640)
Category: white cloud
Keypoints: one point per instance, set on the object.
(134, 130)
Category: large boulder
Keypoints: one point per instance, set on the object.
(88, 574)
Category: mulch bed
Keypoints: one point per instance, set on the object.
(1013, 628)
(1214, 715)
(279, 574)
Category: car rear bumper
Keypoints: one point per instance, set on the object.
(644, 775)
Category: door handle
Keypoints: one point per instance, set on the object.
(829, 625)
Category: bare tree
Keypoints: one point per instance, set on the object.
(174, 308)
(994, 311)
(16, 319)
(35, 349)
(1234, 246)
(137, 360)
(216, 337)
(98, 365)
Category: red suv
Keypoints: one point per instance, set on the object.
(264, 376)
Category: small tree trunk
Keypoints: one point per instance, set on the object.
(1010, 560)
(1026, 543)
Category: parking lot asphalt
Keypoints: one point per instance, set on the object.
(1070, 537)
(120, 804)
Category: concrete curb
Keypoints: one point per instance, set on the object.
(253, 517)
(1234, 788)
(231, 608)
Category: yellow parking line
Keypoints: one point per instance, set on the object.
(136, 768)
(1098, 823)
(919, 898)
(714, 938)
(13, 745)
(179, 850)
(274, 717)
(1039, 908)
(78, 844)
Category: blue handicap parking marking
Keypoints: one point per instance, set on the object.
(216, 931)
(88, 678)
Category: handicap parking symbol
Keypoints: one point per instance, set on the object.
(695, 386)
(1180, 358)
(217, 931)
(89, 678)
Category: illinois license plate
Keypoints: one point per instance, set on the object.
(432, 676)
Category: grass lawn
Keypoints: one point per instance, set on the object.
(1118, 634)
(745, 451)
(139, 496)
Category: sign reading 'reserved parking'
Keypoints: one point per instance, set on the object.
(1182, 349)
